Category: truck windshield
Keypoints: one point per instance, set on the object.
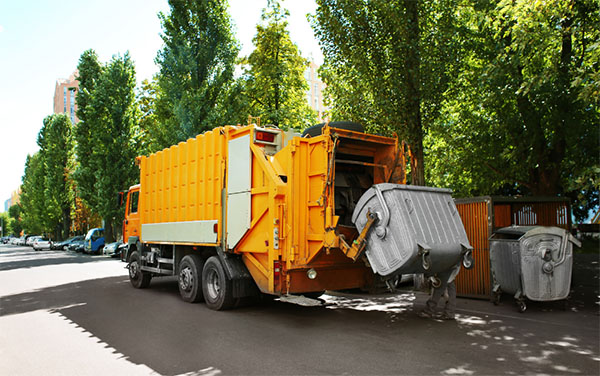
(133, 202)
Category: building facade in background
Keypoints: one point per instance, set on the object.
(64, 97)
(14, 199)
(314, 95)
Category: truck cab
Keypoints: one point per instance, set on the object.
(131, 223)
(94, 241)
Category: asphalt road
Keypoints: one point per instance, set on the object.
(69, 314)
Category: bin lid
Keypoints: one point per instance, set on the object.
(520, 231)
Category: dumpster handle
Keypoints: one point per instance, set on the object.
(563, 249)
(380, 230)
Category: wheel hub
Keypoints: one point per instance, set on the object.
(213, 285)
(186, 279)
(133, 270)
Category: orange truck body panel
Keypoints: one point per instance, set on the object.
(294, 223)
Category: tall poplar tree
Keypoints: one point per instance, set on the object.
(275, 85)
(196, 66)
(32, 212)
(56, 149)
(116, 138)
(89, 71)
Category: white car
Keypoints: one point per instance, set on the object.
(41, 243)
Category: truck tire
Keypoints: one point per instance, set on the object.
(138, 278)
(315, 130)
(217, 288)
(190, 278)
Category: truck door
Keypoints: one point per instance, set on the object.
(132, 215)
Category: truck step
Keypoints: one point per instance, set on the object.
(302, 300)
(157, 270)
(164, 260)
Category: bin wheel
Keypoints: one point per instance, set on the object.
(522, 306)
(496, 299)
(426, 261)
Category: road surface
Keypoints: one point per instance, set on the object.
(70, 314)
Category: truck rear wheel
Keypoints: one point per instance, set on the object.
(138, 278)
(190, 278)
(217, 288)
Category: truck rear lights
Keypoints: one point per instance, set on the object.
(216, 228)
(276, 269)
(264, 137)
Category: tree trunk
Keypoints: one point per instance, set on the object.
(108, 231)
(413, 94)
(66, 223)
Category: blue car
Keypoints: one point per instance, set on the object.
(94, 241)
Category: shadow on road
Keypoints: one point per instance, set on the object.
(19, 258)
(357, 334)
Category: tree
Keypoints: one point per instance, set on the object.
(275, 84)
(116, 137)
(520, 118)
(89, 71)
(5, 223)
(16, 223)
(388, 63)
(56, 152)
(31, 212)
(196, 65)
(108, 136)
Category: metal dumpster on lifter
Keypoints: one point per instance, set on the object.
(418, 230)
(532, 262)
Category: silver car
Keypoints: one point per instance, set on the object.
(41, 243)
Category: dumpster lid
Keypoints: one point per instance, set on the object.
(516, 232)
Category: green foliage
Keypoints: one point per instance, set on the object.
(56, 149)
(197, 64)
(16, 223)
(388, 63)
(275, 84)
(108, 135)
(32, 211)
(5, 223)
(520, 118)
(116, 139)
(90, 70)
(46, 194)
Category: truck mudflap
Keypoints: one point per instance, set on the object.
(242, 283)
(417, 230)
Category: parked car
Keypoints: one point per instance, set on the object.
(22, 240)
(63, 245)
(76, 246)
(41, 242)
(31, 239)
(94, 241)
(14, 241)
(114, 249)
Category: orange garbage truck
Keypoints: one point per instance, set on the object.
(243, 210)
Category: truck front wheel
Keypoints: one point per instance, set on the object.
(138, 278)
(217, 288)
(189, 277)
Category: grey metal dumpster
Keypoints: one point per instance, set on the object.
(418, 230)
(532, 262)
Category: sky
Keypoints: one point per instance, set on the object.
(41, 41)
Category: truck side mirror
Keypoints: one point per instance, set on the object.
(120, 198)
